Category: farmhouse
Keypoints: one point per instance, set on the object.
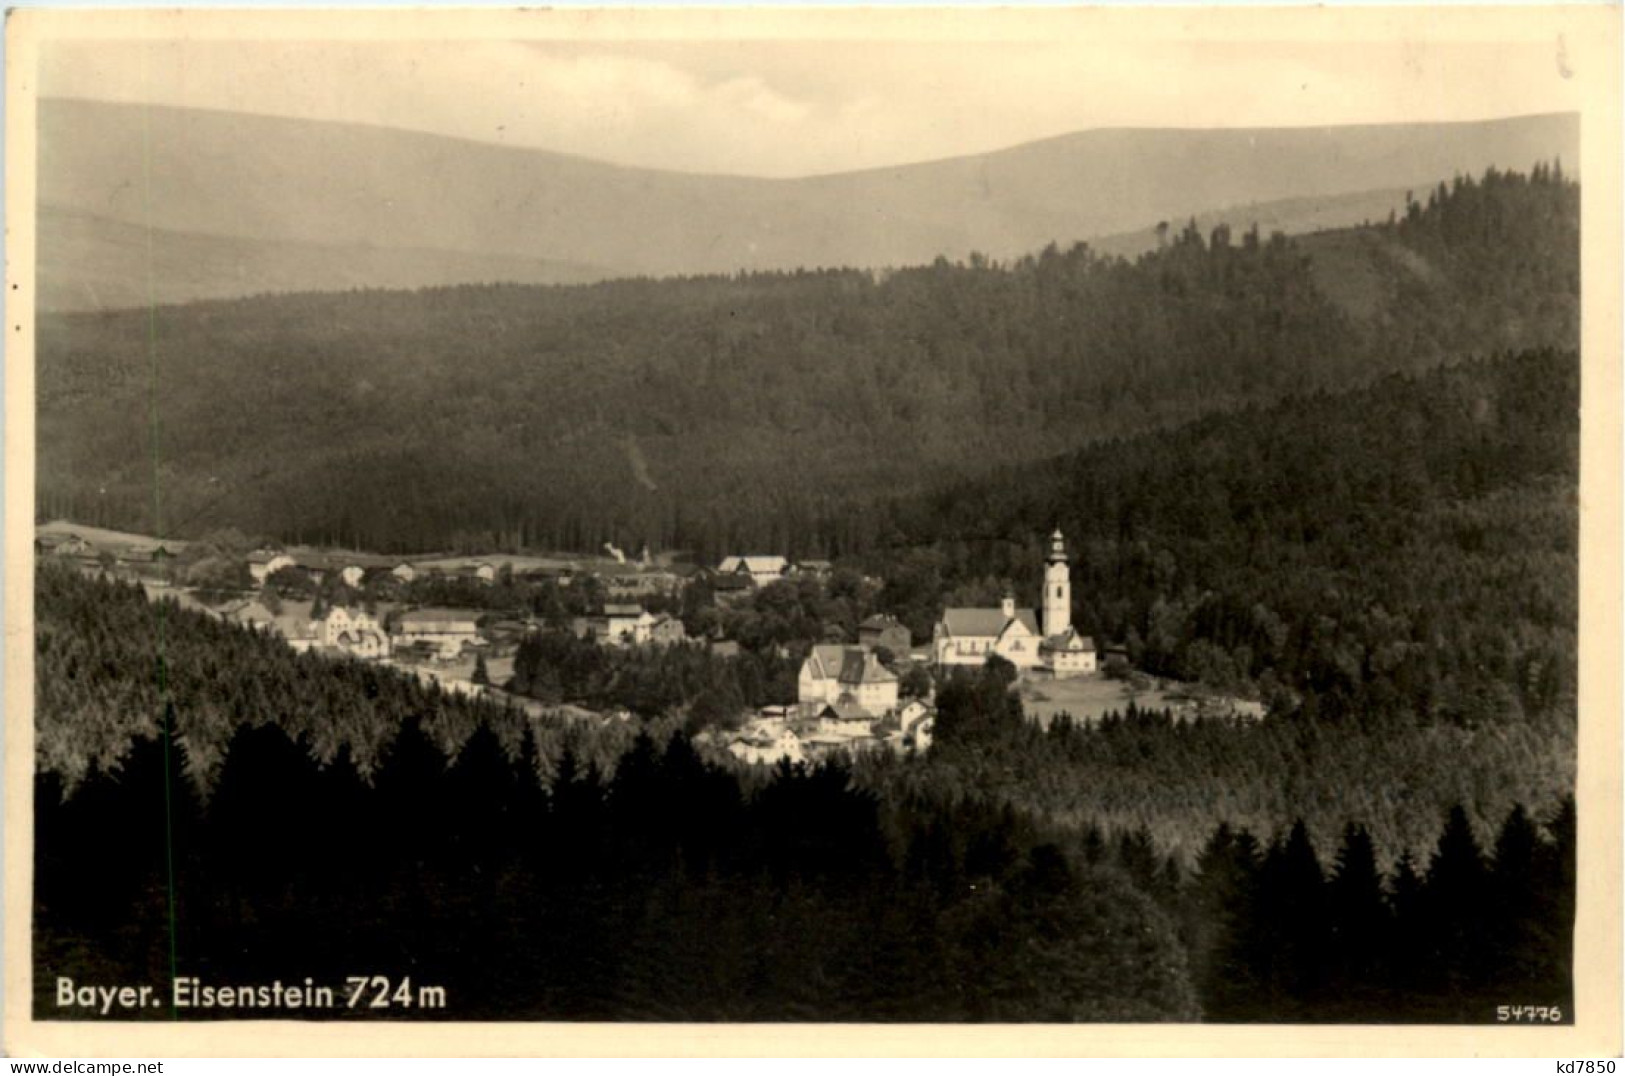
(966, 636)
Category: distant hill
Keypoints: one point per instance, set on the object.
(87, 262)
(758, 411)
(240, 204)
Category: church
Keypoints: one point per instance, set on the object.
(966, 636)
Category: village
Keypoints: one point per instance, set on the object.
(457, 623)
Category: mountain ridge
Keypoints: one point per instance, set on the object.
(262, 180)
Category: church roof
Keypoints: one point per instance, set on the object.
(988, 623)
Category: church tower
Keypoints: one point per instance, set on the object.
(1057, 588)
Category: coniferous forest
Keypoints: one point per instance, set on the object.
(538, 872)
(766, 410)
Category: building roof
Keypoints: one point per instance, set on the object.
(843, 710)
(824, 661)
(623, 610)
(754, 564)
(1069, 640)
(248, 611)
(985, 623)
(422, 617)
(729, 581)
(296, 627)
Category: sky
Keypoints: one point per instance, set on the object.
(808, 106)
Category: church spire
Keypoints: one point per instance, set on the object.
(1057, 605)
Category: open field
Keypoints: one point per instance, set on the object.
(103, 538)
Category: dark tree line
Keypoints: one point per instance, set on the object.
(650, 681)
(668, 890)
(662, 892)
(764, 411)
(107, 661)
(1276, 934)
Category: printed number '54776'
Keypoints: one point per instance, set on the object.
(1533, 1014)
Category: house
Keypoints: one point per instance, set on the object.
(252, 613)
(301, 634)
(480, 570)
(966, 636)
(731, 589)
(446, 630)
(911, 713)
(819, 679)
(508, 632)
(64, 545)
(836, 675)
(666, 630)
(845, 718)
(626, 625)
(264, 563)
(766, 747)
(315, 565)
(761, 570)
(404, 571)
(817, 569)
(919, 737)
(146, 554)
(351, 573)
(632, 581)
(354, 631)
(882, 630)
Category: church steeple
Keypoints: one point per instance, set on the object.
(1057, 588)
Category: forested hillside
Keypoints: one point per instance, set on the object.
(530, 873)
(755, 412)
(1404, 553)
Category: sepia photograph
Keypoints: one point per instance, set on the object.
(759, 518)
